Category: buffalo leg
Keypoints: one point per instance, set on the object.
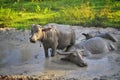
(53, 52)
(46, 51)
(68, 48)
(54, 46)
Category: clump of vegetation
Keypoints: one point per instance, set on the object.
(22, 13)
(81, 15)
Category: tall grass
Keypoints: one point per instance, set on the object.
(81, 15)
(22, 13)
(86, 15)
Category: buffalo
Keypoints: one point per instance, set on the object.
(88, 48)
(54, 37)
(109, 36)
(74, 57)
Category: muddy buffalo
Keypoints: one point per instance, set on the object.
(96, 45)
(53, 37)
(107, 35)
(74, 57)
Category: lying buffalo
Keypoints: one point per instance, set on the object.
(53, 37)
(91, 46)
(108, 36)
(94, 45)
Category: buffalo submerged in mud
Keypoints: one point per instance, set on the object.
(87, 48)
(95, 45)
(108, 36)
(53, 37)
(74, 57)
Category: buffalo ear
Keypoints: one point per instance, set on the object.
(46, 29)
(32, 26)
(36, 26)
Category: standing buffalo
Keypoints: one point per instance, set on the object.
(53, 37)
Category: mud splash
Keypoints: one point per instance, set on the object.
(20, 57)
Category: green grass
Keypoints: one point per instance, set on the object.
(21, 14)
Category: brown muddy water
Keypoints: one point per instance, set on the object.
(20, 57)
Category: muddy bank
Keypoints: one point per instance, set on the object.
(20, 57)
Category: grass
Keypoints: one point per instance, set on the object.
(22, 14)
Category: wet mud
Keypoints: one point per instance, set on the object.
(19, 57)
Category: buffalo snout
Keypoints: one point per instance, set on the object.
(82, 64)
(32, 40)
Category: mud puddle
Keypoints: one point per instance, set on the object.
(20, 57)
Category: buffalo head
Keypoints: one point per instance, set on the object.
(37, 33)
(87, 36)
(74, 57)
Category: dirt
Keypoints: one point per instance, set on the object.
(21, 59)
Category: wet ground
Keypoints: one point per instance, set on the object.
(20, 57)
